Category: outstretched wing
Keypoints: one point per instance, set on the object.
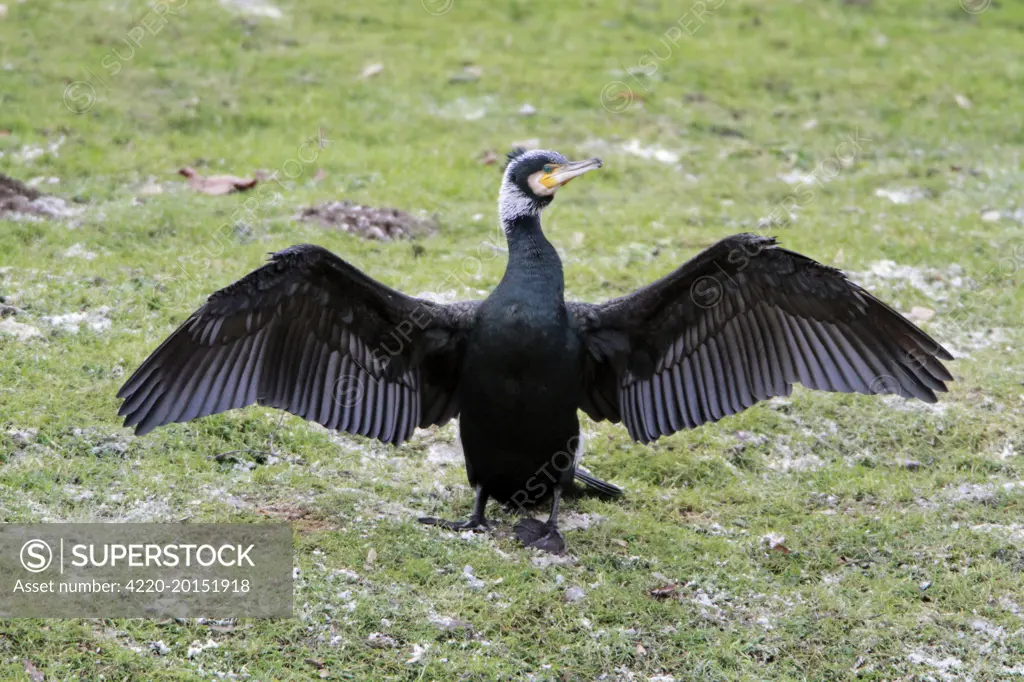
(310, 334)
(742, 322)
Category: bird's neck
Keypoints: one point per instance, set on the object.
(533, 263)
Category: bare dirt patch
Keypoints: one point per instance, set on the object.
(304, 519)
(18, 201)
(369, 222)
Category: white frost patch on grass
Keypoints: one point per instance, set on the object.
(988, 629)
(418, 652)
(197, 647)
(471, 579)
(899, 195)
(253, 8)
(95, 320)
(784, 460)
(935, 283)
(445, 454)
(980, 493)
(795, 177)
(379, 640)
(149, 510)
(21, 331)
(1013, 532)
(655, 153)
(79, 251)
(578, 521)
(901, 404)
(942, 666)
(962, 342)
(448, 622)
(465, 108)
(31, 152)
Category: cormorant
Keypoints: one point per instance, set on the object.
(742, 322)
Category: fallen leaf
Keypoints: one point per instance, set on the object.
(779, 547)
(489, 157)
(33, 672)
(620, 543)
(640, 650)
(664, 592)
(316, 663)
(5, 133)
(371, 70)
(216, 184)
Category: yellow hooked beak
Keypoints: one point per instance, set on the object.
(560, 175)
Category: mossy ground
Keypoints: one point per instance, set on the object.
(903, 521)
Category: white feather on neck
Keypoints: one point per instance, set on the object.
(514, 204)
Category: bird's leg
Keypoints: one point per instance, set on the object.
(476, 521)
(543, 535)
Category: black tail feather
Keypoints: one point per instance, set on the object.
(603, 487)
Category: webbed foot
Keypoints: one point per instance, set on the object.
(540, 535)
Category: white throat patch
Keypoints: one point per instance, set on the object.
(513, 204)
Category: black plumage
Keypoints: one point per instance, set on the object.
(741, 322)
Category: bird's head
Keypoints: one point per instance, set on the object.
(532, 178)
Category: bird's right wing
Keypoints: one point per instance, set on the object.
(310, 334)
(742, 322)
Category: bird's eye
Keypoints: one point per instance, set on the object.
(548, 168)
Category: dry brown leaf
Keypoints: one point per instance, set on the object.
(664, 592)
(216, 184)
(489, 157)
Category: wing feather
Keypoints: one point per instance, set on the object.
(740, 323)
(300, 334)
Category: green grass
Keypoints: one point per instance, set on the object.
(757, 91)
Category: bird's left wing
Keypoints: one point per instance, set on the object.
(742, 322)
(313, 335)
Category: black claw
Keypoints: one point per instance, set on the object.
(540, 535)
(471, 523)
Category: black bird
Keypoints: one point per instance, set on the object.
(742, 322)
